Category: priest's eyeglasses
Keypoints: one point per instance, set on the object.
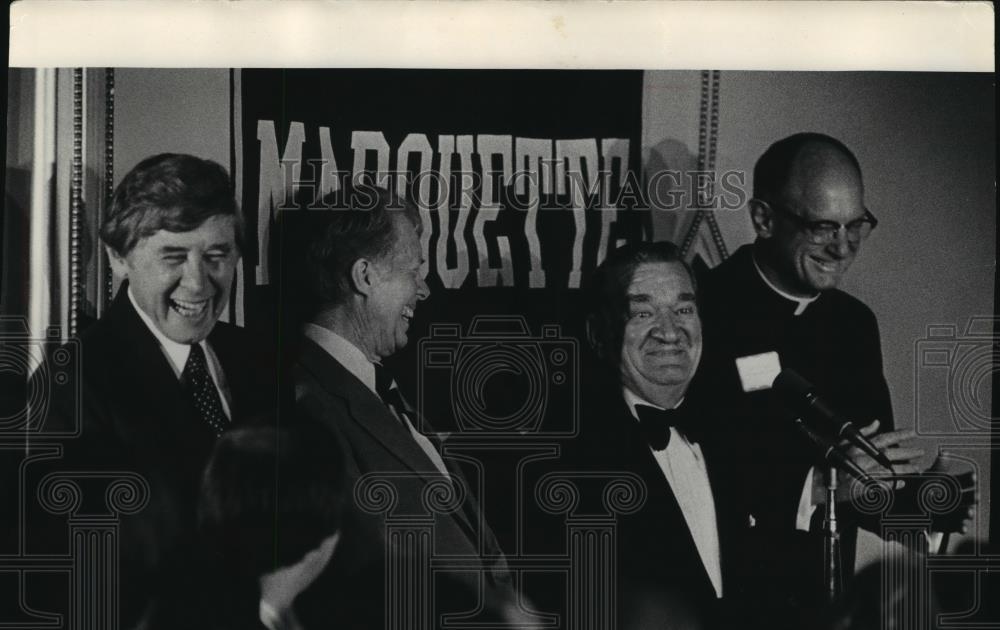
(825, 232)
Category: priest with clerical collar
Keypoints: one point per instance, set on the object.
(775, 303)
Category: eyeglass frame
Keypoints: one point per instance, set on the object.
(809, 227)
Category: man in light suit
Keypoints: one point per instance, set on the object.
(161, 377)
(680, 550)
(361, 270)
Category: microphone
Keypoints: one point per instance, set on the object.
(832, 453)
(802, 395)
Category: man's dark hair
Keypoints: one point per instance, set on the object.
(607, 293)
(172, 192)
(774, 168)
(320, 246)
(270, 495)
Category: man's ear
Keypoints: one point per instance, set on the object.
(762, 217)
(594, 336)
(363, 276)
(119, 266)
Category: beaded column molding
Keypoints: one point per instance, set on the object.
(109, 162)
(76, 204)
(708, 134)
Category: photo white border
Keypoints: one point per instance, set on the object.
(778, 35)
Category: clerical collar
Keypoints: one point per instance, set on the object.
(177, 353)
(345, 352)
(801, 303)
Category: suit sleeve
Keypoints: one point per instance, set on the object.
(867, 397)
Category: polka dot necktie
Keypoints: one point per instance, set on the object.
(204, 395)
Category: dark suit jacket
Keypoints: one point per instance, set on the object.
(136, 418)
(834, 344)
(376, 442)
(657, 556)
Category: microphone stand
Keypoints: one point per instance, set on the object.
(832, 568)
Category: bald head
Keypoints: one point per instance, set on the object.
(798, 164)
(803, 185)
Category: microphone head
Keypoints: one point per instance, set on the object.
(788, 383)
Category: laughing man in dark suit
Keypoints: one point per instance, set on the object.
(161, 376)
(361, 267)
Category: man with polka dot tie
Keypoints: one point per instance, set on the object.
(161, 377)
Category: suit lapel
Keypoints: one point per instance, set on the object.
(662, 515)
(371, 414)
(232, 361)
(137, 348)
(365, 409)
(469, 513)
(470, 508)
(154, 410)
(731, 522)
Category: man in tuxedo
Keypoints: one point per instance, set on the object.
(360, 270)
(161, 377)
(681, 545)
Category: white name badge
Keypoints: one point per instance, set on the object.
(758, 371)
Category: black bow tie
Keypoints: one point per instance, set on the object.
(655, 424)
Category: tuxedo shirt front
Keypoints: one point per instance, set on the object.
(684, 543)
(683, 466)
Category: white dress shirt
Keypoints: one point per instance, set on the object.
(270, 617)
(684, 467)
(177, 356)
(355, 361)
